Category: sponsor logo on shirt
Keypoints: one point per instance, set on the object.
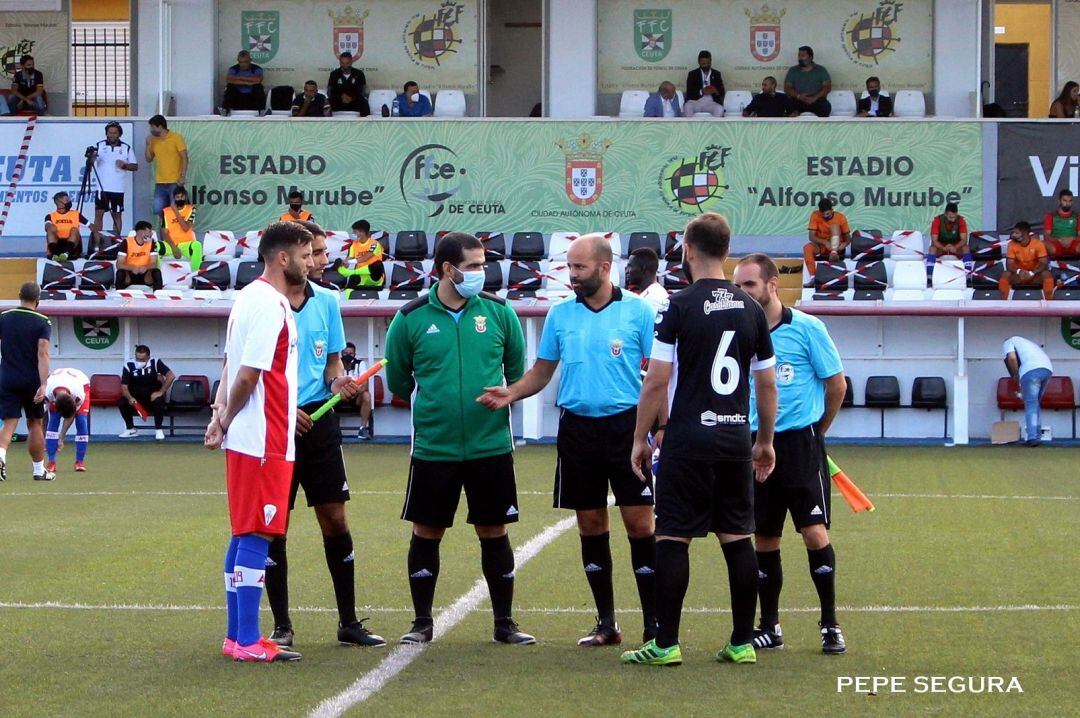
(711, 418)
(722, 300)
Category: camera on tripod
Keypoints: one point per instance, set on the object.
(91, 150)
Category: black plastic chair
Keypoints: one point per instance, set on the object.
(494, 245)
(523, 279)
(638, 240)
(98, 275)
(882, 392)
(849, 394)
(527, 246)
(246, 273)
(866, 244)
(212, 275)
(411, 245)
(929, 392)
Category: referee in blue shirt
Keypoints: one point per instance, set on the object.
(810, 380)
(319, 465)
(601, 335)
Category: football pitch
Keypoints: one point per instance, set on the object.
(111, 598)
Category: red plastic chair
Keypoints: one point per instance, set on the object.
(105, 390)
(1008, 394)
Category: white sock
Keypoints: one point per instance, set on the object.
(39, 468)
(3, 455)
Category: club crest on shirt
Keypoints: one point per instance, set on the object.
(320, 347)
(480, 323)
(785, 373)
(616, 347)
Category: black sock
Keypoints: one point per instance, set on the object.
(742, 572)
(643, 559)
(497, 562)
(596, 558)
(277, 582)
(770, 581)
(423, 573)
(339, 559)
(823, 572)
(672, 580)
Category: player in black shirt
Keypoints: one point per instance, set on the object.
(24, 369)
(709, 338)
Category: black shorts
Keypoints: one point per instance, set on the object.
(17, 402)
(799, 484)
(593, 453)
(319, 466)
(434, 491)
(696, 497)
(110, 201)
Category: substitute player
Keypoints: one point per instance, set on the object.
(443, 349)
(320, 466)
(601, 335)
(811, 386)
(715, 335)
(68, 394)
(255, 420)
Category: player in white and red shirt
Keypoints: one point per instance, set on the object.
(255, 421)
(68, 394)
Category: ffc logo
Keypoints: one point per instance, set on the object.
(349, 31)
(652, 34)
(869, 39)
(765, 33)
(259, 33)
(584, 167)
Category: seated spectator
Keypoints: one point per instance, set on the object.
(641, 278)
(27, 88)
(67, 393)
(354, 368)
(874, 104)
(310, 102)
(704, 88)
(63, 239)
(948, 236)
(144, 384)
(348, 87)
(178, 233)
(1067, 104)
(1031, 367)
(664, 102)
(365, 257)
(137, 261)
(1060, 228)
(411, 103)
(829, 236)
(1026, 263)
(296, 211)
(807, 85)
(768, 102)
(244, 85)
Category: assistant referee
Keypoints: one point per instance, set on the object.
(319, 466)
(811, 386)
(601, 335)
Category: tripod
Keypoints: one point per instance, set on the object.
(84, 191)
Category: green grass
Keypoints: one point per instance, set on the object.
(138, 547)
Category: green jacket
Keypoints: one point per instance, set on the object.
(444, 366)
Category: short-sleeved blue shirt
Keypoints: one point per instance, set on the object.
(805, 357)
(20, 330)
(252, 71)
(319, 333)
(601, 352)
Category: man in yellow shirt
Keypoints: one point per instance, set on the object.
(178, 221)
(365, 257)
(168, 151)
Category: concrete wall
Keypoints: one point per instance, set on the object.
(571, 49)
(191, 65)
(956, 58)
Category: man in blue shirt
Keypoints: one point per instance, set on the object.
(601, 335)
(810, 380)
(319, 465)
(243, 85)
(411, 103)
(24, 372)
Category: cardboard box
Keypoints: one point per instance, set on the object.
(1005, 432)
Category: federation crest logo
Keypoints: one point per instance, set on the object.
(320, 347)
(432, 39)
(869, 39)
(785, 373)
(260, 33)
(694, 185)
(349, 31)
(480, 323)
(10, 56)
(765, 33)
(616, 347)
(652, 34)
(584, 167)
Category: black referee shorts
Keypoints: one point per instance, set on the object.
(16, 402)
(593, 454)
(434, 491)
(696, 497)
(110, 201)
(319, 466)
(799, 484)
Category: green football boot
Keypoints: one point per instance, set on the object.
(652, 655)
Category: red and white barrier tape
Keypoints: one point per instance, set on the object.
(20, 167)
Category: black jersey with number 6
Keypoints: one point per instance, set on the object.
(714, 334)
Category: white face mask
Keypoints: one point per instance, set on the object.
(415, 97)
(141, 364)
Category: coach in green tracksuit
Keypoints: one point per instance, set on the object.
(443, 350)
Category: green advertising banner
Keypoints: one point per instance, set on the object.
(579, 176)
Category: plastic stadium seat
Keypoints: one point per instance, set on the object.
(494, 245)
(105, 390)
(1068, 294)
(112, 248)
(909, 275)
(909, 103)
(177, 274)
(673, 277)
(190, 392)
(638, 240)
(1066, 273)
(449, 103)
(673, 246)
(378, 395)
(361, 293)
(907, 244)
(406, 279)
(527, 245)
(1008, 395)
(849, 393)
(524, 279)
(867, 295)
(985, 275)
(867, 244)
(246, 273)
(212, 275)
(219, 245)
(560, 245)
(948, 295)
(337, 244)
(735, 101)
(632, 103)
(949, 274)
(493, 277)
(378, 98)
(399, 402)
(411, 245)
(97, 275)
(882, 392)
(58, 276)
(1059, 394)
(843, 103)
(870, 275)
(830, 276)
(558, 278)
(985, 246)
(248, 245)
(928, 392)
(1027, 294)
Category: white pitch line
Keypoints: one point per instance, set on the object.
(401, 656)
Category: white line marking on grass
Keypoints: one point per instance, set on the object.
(974, 496)
(401, 656)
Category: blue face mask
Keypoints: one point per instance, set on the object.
(471, 284)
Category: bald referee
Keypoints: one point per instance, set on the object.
(601, 336)
(811, 386)
(320, 466)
